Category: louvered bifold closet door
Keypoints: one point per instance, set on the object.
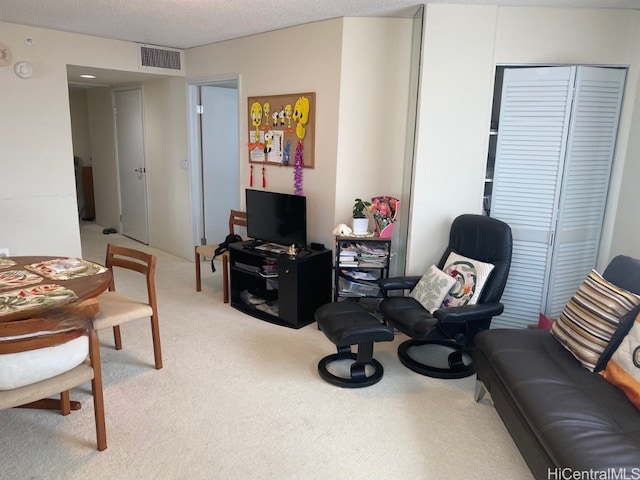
(534, 120)
(585, 184)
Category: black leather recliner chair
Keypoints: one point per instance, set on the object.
(452, 329)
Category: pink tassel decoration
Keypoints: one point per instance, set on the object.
(297, 169)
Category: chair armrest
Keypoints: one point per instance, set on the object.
(398, 283)
(466, 313)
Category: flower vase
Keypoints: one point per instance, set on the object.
(385, 213)
(386, 231)
(360, 226)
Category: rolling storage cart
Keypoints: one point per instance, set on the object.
(359, 263)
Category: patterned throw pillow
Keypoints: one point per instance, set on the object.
(432, 288)
(623, 370)
(470, 276)
(625, 325)
(591, 317)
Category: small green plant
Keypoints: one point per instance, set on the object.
(359, 207)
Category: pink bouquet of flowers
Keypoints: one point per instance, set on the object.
(385, 213)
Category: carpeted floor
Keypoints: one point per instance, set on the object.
(239, 398)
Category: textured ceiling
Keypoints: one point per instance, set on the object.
(190, 23)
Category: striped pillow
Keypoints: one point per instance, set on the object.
(590, 318)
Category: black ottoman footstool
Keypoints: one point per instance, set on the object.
(345, 324)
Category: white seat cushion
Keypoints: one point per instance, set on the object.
(116, 309)
(25, 368)
(50, 386)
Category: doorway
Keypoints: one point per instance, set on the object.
(132, 176)
(214, 157)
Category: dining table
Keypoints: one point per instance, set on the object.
(30, 286)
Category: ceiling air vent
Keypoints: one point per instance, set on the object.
(160, 57)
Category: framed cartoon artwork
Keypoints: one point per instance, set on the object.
(280, 124)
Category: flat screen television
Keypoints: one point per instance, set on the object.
(277, 217)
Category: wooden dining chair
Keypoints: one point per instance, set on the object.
(237, 218)
(116, 309)
(48, 355)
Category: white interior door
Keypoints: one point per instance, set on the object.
(129, 127)
(220, 167)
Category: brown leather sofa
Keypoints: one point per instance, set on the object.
(562, 417)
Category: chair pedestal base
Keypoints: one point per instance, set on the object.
(457, 367)
(359, 377)
(51, 404)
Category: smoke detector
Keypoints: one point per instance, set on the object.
(23, 69)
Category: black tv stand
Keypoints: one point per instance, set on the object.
(251, 244)
(281, 289)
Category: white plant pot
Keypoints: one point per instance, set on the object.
(360, 226)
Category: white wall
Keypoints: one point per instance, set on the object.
(374, 91)
(80, 125)
(587, 37)
(165, 114)
(103, 154)
(78, 106)
(310, 63)
(462, 45)
(454, 115)
(626, 230)
(359, 69)
(38, 204)
(41, 105)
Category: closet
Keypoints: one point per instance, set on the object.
(553, 139)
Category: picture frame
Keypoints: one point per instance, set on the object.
(275, 123)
